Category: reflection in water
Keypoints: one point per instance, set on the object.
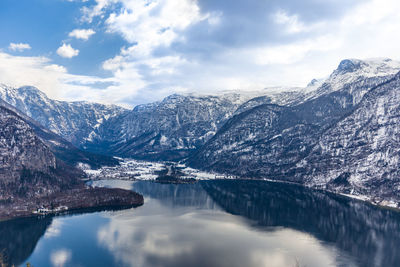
(369, 234)
(160, 236)
(190, 195)
(213, 223)
(18, 239)
(60, 257)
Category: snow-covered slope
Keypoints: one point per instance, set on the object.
(361, 153)
(169, 129)
(341, 133)
(317, 140)
(72, 120)
(28, 166)
(62, 149)
(355, 71)
(176, 126)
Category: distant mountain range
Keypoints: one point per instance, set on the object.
(341, 133)
(74, 121)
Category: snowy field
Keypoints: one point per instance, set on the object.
(130, 169)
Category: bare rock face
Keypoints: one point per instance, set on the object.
(61, 148)
(175, 127)
(166, 130)
(74, 121)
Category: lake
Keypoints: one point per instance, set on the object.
(211, 223)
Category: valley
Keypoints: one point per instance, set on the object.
(339, 134)
(131, 170)
(199, 133)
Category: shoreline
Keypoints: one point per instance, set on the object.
(90, 199)
(389, 205)
(74, 200)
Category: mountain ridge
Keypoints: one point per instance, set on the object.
(275, 136)
(72, 120)
(259, 158)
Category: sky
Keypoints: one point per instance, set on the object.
(130, 52)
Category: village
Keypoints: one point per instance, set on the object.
(48, 210)
(130, 169)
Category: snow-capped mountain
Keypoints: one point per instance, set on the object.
(61, 148)
(360, 154)
(355, 71)
(169, 129)
(261, 126)
(340, 133)
(346, 132)
(73, 121)
(176, 126)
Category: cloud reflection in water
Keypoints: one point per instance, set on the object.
(158, 235)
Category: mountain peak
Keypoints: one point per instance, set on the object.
(31, 91)
(350, 65)
(367, 67)
(174, 97)
(313, 82)
(350, 70)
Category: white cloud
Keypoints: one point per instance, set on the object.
(36, 71)
(97, 10)
(19, 47)
(60, 257)
(67, 51)
(54, 230)
(150, 24)
(83, 34)
(294, 52)
(292, 23)
(169, 49)
(364, 31)
(55, 81)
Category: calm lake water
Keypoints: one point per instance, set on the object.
(212, 223)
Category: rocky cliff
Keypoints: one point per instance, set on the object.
(74, 121)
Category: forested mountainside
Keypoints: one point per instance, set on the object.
(28, 167)
(32, 176)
